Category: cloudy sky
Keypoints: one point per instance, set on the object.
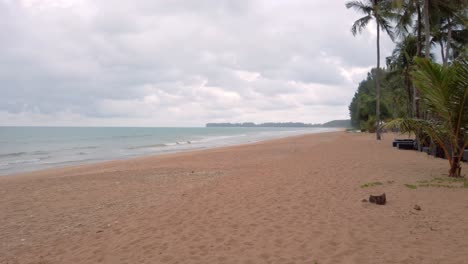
(179, 62)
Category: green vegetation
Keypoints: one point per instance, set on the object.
(392, 89)
(411, 186)
(334, 123)
(444, 90)
(371, 184)
(414, 93)
(437, 185)
(338, 123)
(444, 182)
(392, 105)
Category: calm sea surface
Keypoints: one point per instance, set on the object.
(32, 148)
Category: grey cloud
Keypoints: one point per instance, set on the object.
(105, 60)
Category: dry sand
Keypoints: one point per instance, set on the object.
(294, 200)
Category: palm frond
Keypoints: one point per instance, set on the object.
(360, 7)
(386, 27)
(360, 24)
(436, 83)
(461, 82)
(404, 22)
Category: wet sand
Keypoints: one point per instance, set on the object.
(293, 200)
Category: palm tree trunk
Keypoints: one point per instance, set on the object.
(457, 154)
(427, 30)
(455, 168)
(377, 85)
(419, 43)
(416, 113)
(449, 39)
(441, 43)
(414, 110)
(411, 90)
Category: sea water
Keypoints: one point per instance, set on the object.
(32, 148)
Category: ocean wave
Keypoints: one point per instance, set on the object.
(148, 146)
(70, 161)
(12, 154)
(215, 138)
(116, 137)
(85, 147)
(39, 152)
(23, 153)
(79, 149)
(18, 161)
(132, 136)
(188, 142)
(162, 145)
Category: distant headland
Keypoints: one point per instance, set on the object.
(334, 123)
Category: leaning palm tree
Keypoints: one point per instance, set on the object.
(379, 11)
(444, 91)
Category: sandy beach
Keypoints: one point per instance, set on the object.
(293, 200)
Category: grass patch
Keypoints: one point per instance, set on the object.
(371, 184)
(438, 185)
(445, 182)
(448, 179)
(411, 186)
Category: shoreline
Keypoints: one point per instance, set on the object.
(291, 200)
(150, 155)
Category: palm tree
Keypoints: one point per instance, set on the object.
(406, 10)
(401, 63)
(377, 10)
(449, 19)
(444, 91)
(451, 13)
(427, 28)
(446, 19)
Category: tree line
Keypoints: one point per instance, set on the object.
(333, 123)
(414, 91)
